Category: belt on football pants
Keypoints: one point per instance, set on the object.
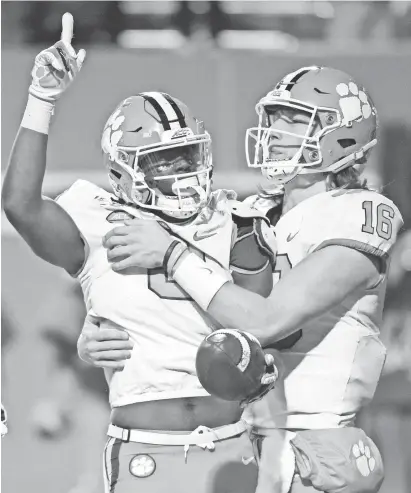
(199, 436)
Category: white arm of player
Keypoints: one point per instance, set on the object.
(316, 284)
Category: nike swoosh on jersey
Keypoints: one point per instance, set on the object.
(198, 237)
(291, 236)
(247, 460)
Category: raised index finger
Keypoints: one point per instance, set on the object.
(67, 23)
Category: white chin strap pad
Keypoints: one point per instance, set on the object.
(281, 176)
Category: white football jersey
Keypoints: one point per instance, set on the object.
(164, 324)
(333, 363)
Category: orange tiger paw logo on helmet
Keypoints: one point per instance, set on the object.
(354, 103)
(112, 132)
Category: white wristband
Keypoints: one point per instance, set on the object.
(37, 115)
(198, 279)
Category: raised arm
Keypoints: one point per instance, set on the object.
(44, 225)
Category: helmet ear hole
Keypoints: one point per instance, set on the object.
(115, 173)
(344, 143)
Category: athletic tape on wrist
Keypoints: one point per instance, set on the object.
(37, 115)
(198, 279)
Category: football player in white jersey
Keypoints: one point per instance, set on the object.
(166, 431)
(315, 131)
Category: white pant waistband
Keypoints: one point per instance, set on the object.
(200, 435)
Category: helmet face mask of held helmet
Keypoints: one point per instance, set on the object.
(316, 120)
(158, 155)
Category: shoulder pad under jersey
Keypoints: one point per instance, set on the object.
(269, 205)
(249, 219)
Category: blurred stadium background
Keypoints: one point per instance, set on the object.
(219, 57)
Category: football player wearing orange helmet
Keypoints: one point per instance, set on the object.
(315, 131)
(164, 425)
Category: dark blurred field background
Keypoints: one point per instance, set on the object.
(219, 58)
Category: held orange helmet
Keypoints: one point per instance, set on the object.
(341, 124)
(158, 155)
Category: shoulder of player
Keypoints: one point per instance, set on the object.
(83, 192)
(362, 219)
(86, 203)
(354, 196)
(340, 202)
(379, 198)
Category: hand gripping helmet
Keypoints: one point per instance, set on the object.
(342, 124)
(158, 155)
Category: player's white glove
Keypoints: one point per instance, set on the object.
(56, 67)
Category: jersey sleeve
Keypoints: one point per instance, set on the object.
(359, 219)
(82, 201)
